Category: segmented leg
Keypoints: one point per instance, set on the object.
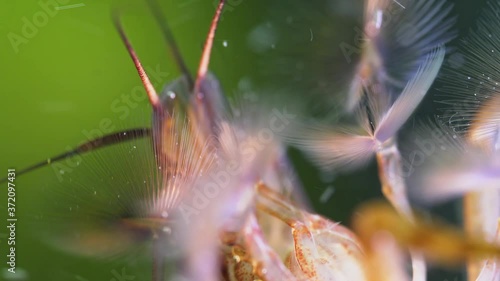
(323, 250)
(440, 243)
(394, 189)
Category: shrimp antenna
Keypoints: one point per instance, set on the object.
(207, 49)
(91, 145)
(154, 100)
(169, 38)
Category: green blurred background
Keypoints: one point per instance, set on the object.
(65, 76)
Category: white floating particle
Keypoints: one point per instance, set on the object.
(327, 194)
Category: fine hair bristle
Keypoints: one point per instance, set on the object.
(471, 76)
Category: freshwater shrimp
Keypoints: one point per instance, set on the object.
(231, 238)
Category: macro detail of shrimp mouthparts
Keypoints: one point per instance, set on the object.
(204, 186)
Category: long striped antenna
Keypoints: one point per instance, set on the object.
(150, 90)
(89, 146)
(169, 38)
(207, 49)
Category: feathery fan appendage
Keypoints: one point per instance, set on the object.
(401, 35)
(378, 123)
(342, 149)
(411, 96)
(447, 164)
(98, 209)
(183, 155)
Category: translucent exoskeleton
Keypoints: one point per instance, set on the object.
(191, 137)
(325, 250)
